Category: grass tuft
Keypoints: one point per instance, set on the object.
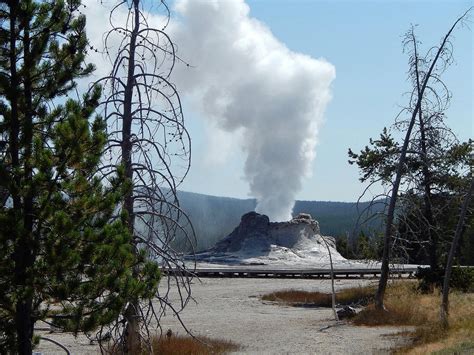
(186, 345)
(349, 296)
(183, 345)
(400, 308)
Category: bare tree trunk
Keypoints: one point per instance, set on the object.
(380, 294)
(333, 292)
(132, 332)
(444, 309)
(428, 208)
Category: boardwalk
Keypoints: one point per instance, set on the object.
(406, 272)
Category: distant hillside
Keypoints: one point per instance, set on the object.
(215, 217)
(337, 218)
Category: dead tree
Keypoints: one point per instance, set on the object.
(444, 308)
(333, 291)
(406, 169)
(424, 80)
(149, 144)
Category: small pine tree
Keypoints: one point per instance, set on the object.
(64, 253)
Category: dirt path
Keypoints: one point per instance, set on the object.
(231, 309)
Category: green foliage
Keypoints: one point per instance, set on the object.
(462, 279)
(343, 247)
(340, 218)
(466, 250)
(365, 247)
(377, 160)
(64, 253)
(435, 177)
(414, 241)
(369, 248)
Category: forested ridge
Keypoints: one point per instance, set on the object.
(215, 217)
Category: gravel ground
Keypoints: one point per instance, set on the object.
(231, 309)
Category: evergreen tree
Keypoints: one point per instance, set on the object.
(435, 177)
(61, 242)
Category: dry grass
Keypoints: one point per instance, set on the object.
(406, 306)
(356, 295)
(185, 345)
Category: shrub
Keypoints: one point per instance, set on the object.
(183, 345)
(462, 279)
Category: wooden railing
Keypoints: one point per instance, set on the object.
(405, 272)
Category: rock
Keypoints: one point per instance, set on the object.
(346, 312)
(303, 216)
(257, 241)
(252, 225)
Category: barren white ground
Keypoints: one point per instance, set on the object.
(231, 309)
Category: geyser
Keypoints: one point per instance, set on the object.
(245, 81)
(256, 240)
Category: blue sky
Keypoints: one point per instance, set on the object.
(363, 41)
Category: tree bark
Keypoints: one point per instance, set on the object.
(132, 334)
(426, 228)
(380, 294)
(428, 209)
(444, 309)
(22, 252)
(333, 291)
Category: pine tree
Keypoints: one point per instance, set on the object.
(435, 179)
(62, 243)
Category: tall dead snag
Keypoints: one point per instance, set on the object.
(444, 309)
(429, 164)
(149, 142)
(423, 80)
(411, 164)
(333, 291)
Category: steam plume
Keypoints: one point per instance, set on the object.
(245, 79)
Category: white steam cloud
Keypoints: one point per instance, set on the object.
(243, 79)
(246, 83)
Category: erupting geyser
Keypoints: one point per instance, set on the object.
(247, 83)
(256, 240)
